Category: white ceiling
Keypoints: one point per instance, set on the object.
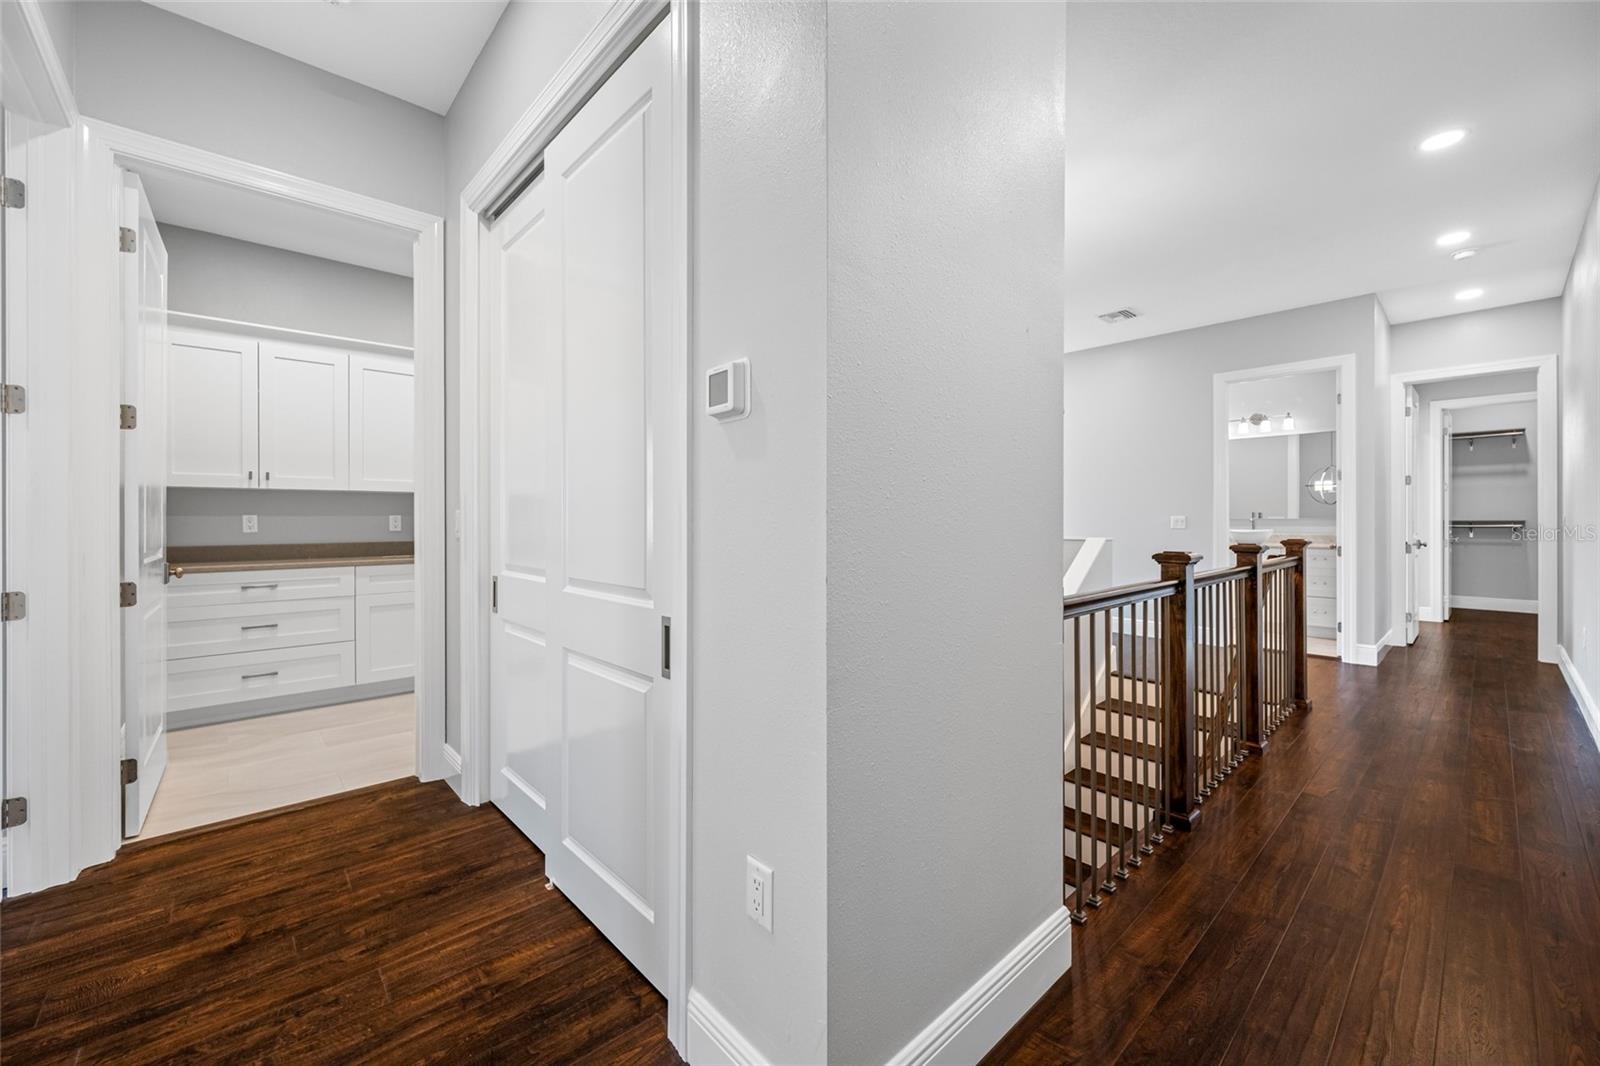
(417, 50)
(185, 200)
(1227, 160)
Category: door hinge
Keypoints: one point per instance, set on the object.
(1408, 479)
(13, 812)
(13, 193)
(494, 595)
(128, 593)
(1408, 547)
(130, 771)
(127, 240)
(13, 606)
(1338, 627)
(1409, 618)
(666, 647)
(127, 416)
(1338, 397)
(13, 399)
(1408, 412)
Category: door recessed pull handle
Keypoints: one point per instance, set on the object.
(260, 625)
(252, 677)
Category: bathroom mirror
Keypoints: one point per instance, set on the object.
(1271, 476)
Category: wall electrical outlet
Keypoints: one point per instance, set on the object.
(1179, 521)
(250, 524)
(395, 523)
(758, 892)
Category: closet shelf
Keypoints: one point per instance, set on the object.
(1483, 434)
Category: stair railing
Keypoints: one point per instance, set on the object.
(1168, 686)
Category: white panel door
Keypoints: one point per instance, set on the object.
(382, 416)
(588, 447)
(305, 417)
(212, 407)
(1413, 524)
(144, 506)
(1446, 533)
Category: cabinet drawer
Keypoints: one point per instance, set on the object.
(1323, 559)
(1320, 611)
(254, 675)
(229, 628)
(382, 580)
(1320, 583)
(261, 586)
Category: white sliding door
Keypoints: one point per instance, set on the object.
(144, 507)
(586, 464)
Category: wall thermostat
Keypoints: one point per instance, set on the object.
(728, 390)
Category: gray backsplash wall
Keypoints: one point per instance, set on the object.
(285, 516)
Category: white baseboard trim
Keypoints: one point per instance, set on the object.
(1580, 692)
(452, 759)
(984, 1013)
(1494, 603)
(1372, 654)
(713, 1041)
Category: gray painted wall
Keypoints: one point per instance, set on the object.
(1579, 626)
(226, 278)
(1510, 332)
(148, 69)
(1492, 480)
(285, 516)
(945, 169)
(1147, 454)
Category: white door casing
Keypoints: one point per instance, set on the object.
(1445, 532)
(1412, 518)
(144, 506)
(586, 467)
(213, 411)
(305, 417)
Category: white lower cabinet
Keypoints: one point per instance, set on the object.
(242, 636)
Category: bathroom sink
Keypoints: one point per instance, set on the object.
(1249, 536)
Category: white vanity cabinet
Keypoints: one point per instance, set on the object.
(1322, 592)
(250, 642)
(276, 414)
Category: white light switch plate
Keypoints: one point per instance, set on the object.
(250, 525)
(758, 892)
(395, 523)
(1180, 521)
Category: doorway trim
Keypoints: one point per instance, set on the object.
(1344, 368)
(624, 24)
(1548, 517)
(100, 752)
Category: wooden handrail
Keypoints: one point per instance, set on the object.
(1089, 602)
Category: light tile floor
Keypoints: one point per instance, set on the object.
(217, 772)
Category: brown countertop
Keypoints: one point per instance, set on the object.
(220, 558)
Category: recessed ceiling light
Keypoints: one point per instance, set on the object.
(1442, 140)
(1463, 253)
(1469, 294)
(1453, 238)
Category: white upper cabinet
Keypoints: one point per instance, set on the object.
(381, 437)
(211, 411)
(305, 417)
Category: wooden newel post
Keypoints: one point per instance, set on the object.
(1253, 727)
(1299, 689)
(1177, 688)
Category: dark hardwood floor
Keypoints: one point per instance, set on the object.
(1411, 874)
(391, 925)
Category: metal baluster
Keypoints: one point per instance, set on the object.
(1158, 724)
(1238, 672)
(1146, 739)
(1092, 862)
(1078, 886)
(1129, 649)
(1113, 864)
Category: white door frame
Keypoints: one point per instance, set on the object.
(1433, 610)
(98, 751)
(1344, 368)
(625, 23)
(1548, 507)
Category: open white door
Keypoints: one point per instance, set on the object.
(1413, 524)
(587, 456)
(1445, 532)
(144, 507)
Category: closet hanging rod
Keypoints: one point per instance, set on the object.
(1489, 433)
(1488, 525)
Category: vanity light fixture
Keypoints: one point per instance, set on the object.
(1288, 421)
(1453, 238)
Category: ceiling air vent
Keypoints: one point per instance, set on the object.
(1119, 315)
